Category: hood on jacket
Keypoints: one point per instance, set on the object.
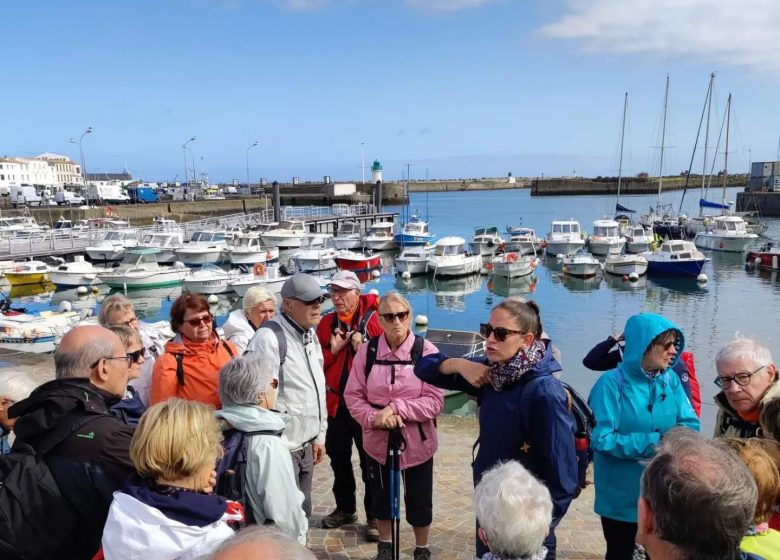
(237, 323)
(248, 418)
(180, 345)
(189, 508)
(639, 333)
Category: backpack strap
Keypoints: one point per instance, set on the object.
(363, 323)
(281, 340)
(373, 346)
(180, 369)
(227, 348)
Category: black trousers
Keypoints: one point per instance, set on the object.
(620, 537)
(417, 488)
(342, 431)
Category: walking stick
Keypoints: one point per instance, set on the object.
(395, 443)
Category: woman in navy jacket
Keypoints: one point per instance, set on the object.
(523, 412)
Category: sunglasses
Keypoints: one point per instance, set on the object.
(198, 321)
(136, 355)
(126, 357)
(500, 333)
(128, 322)
(667, 345)
(316, 301)
(390, 317)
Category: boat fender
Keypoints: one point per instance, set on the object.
(702, 278)
(624, 278)
(721, 245)
(489, 266)
(375, 274)
(633, 277)
(534, 263)
(406, 275)
(269, 256)
(259, 269)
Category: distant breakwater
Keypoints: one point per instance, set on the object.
(570, 187)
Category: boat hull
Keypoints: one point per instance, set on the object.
(283, 241)
(407, 240)
(350, 242)
(626, 268)
(207, 287)
(253, 257)
(147, 280)
(729, 244)
(379, 243)
(74, 279)
(564, 247)
(198, 256)
(465, 266)
(515, 269)
(605, 247)
(582, 270)
(677, 268)
(766, 259)
(306, 264)
(413, 266)
(358, 264)
(241, 287)
(24, 278)
(105, 253)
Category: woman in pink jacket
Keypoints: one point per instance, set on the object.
(389, 396)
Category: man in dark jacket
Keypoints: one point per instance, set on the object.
(93, 459)
(340, 334)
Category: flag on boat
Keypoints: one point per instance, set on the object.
(707, 204)
(621, 208)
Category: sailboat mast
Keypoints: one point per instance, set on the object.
(726, 154)
(663, 142)
(622, 137)
(706, 141)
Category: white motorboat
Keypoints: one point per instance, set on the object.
(19, 226)
(727, 233)
(523, 240)
(288, 235)
(113, 244)
(451, 259)
(161, 223)
(28, 272)
(317, 253)
(414, 232)
(581, 264)
(210, 279)
(269, 278)
(205, 246)
(348, 236)
(140, 269)
(625, 265)
(676, 258)
(414, 260)
(513, 265)
(565, 238)
(249, 249)
(76, 273)
(380, 237)
(606, 240)
(638, 238)
(166, 241)
(27, 332)
(486, 241)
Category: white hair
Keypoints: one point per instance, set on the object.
(514, 509)
(116, 302)
(255, 296)
(742, 347)
(241, 380)
(280, 544)
(16, 386)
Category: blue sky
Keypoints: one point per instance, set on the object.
(460, 88)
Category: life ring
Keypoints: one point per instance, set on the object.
(259, 269)
(511, 257)
(489, 266)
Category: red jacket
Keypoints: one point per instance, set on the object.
(337, 366)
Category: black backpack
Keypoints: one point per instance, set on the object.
(231, 469)
(373, 346)
(35, 518)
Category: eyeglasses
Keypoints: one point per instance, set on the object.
(486, 329)
(316, 301)
(390, 317)
(198, 321)
(741, 379)
(341, 292)
(126, 357)
(127, 323)
(136, 355)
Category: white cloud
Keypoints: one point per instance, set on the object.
(303, 5)
(447, 5)
(743, 33)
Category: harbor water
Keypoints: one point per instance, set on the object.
(576, 313)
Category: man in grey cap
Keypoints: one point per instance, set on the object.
(289, 343)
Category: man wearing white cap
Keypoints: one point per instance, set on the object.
(340, 334)
(288, 340)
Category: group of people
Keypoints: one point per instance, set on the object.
(166, 449)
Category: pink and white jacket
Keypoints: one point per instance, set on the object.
(416, 402)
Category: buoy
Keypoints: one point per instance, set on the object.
(406, 275)
(559, 256)
(213, 299)
(81, 290)
(702, 278)
(373, 292)
(95, 290)
(421, 320)
(65, 306)
(624, 278)
(633, 277)
(375, 274)
(757, 261)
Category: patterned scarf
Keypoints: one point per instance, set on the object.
(541, 555)
(506, 375)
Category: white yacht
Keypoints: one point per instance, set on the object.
(112, 245)
(140, 269)
(414, 260)
(638, 238)
(726, 233)
(248, 248)
(380, 237)
(522, 240)
(270, 279)
(514, 265)
(288, 235)
(565, 238)
(348, 236)
(486, 241)
(451, 259)
(581, 264)
(317, 253)
(76, 273)
(606, 240)
(166, 241)
(211, 279)
(205, 246)
(625, 265)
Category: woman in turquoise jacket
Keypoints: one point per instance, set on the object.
(634, 405)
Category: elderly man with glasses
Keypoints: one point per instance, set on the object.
(747, 378)
(288, 341)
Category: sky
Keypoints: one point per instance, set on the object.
(455, 88)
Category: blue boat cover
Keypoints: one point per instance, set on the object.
(707, 204)
(621, 208)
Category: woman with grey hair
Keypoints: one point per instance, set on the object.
(14, 387)
(247, 389)
(747, 378)
(258, 305)
(514, 511)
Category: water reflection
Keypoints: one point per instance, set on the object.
(508, 287)
(448, 294)
(574, 284)
(617, 283)
(29, 290)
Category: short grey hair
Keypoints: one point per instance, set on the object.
(127, 335)
(689, 476)
(16, 386)
(255, 296)
(287, 548)
(116, 302)
(241, 380)
(514, 509)
(742, 347)
(78, 363)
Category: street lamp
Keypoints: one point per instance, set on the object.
(184, 153)
(248, 185)
(81, 156)
(363, 160)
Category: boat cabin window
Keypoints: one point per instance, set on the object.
(677, 247)
(666, 248)
(557, 228)
(218, 237)
(605, 231)
(566, 228)
(140, 258)
(685, 255)
(446, 250)
(575, 228)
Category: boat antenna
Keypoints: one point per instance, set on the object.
(663, 140)
(706, 141)
(695, 145)
(620, 164)
(726, 153)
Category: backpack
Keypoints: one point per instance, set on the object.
(231, 469)
(373, 346)
(281, 340)
(180, 363)
(35, 518)
(361, 326)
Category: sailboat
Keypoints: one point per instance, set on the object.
(414, 232)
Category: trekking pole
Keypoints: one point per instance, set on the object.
(396, 443)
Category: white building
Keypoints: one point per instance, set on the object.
(66, 171)
(50, 171)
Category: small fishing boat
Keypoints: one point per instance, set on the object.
(727, 233)
(457, 344)
(249, 249)
(523, 240)
(205, 246)
(565, 238)
(415, 232)
(676, 258)
(27, 332)
(625, 265)
(605, 239)
(210, 279)
(581, 264)
(451, 259)
(288, 235)
(140, 269)
(28, 272)
(380, 237)
(414, 260)
(638, 238)
(112, 245)
(317, 253)
(76, 273)
(356, 261)
(513, 265)
(486, 241)
(264, 275)
(348, 236)
(765, 256)
(166, 241)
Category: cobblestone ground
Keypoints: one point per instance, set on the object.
(452, 531)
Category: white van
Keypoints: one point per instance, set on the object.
(24, 195)
(68, 197)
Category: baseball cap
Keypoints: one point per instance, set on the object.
(345, 279)
(301, 286)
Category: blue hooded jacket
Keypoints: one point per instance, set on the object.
(633, 410)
